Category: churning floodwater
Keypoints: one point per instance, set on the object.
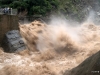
(52, 48)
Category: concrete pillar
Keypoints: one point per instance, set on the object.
(7, 23)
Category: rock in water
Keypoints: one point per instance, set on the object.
(13, 42)
(90, 66)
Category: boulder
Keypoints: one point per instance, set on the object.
(90, 66)
(13, 42)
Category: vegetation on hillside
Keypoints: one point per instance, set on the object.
(32, 6)
(71, 8)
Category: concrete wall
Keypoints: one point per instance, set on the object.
(7, 23)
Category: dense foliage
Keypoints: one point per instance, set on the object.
(32, 6)
(72, 8)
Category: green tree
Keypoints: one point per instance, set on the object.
(20, 5)
(41, 6)
(33, 6)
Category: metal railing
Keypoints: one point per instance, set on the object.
(9, 12)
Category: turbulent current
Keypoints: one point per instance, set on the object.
(52, 48)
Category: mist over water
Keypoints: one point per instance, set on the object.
(57, 34)
(60, 31)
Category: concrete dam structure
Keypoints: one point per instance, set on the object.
(7, 23)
